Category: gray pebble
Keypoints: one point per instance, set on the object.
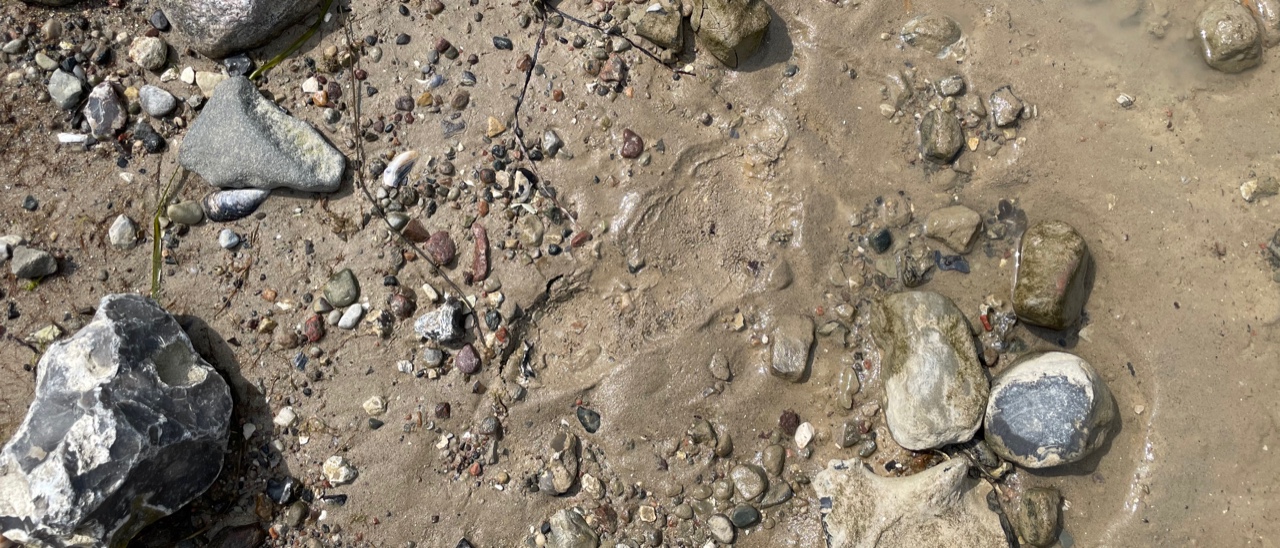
(28, 263)
(123, 233)
(228, 239)
(188, 213)
(432, 357)
(342, 289)
(156, 101)
(749, 481)
(351, 316)
(721, 529)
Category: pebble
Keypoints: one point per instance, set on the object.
(951, 86)
(744, 516)
(149, 53)
(440, 248)
(65, 89)
(773, 458)
(432, 357)
(467, 361)
(123, 233)
(502, 43)
(228, 239)
(881, 241)
(338, 471)
(208, 81)
(151, 140)
(940, 136)
(402, 39)
(551, 142)
(159, 21)
(286, 417)
(792, 346)
(721, 529)
(29, 263)
(779, 492)
(103, 111)
(188, 213)
(632, 145)
(238, 65)
(956, 226)
(1038, 517)
(749, 481)
(590, 419)
(1005, 107)
(1230, 39)
(434, 7)
(342, 289)
(1049, 278)
(804, 435)
(351, 316)
(156, 102)
(720, 367)
(375, 406)
(933, 33)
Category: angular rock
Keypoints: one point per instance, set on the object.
(956, 226)
(218, 28)
(444, 324)
(1038, 516)
(1230, 39)
(149, 53)
(1047, 410)
(1005, 107)
(932, 32)
(156, 102)
(123, 233)
(1049, 279)
(65, 89)
(563, 464)
(243, 140)
(731, 30)
(662, 27)
(941, 506)
(29, 263)
(792, 346)
(569, 530)
(103, 111)
(940, 136)
(935, 389)
(128, 425)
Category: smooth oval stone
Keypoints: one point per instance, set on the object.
(342, 289)
(749, 481)
(931, 32)
(1049, 279)
(744, 516)
(1230, 40)
(1047, 410)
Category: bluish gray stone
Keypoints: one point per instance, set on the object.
(128, 425)
(156, 101)
(243, 140)
(30, 263)
(103, 111)
(1047, 410)
(65, 89)
(218, 28)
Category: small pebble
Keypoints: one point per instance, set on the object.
(228, 239)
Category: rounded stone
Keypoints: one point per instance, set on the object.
(1049, 277)
(721, 529)
(1047, 410)
(149, 53)
(342, 289)
(1230, 40)
(940, 136)
(931, 32)
(156, 102)
(187, 213)
(228, 239)
(744, 516)
(749, 481)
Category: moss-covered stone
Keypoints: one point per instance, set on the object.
(1049, 284)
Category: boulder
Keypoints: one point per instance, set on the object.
(941, 506)
(956, 226)
(731, 30)
(1230, 39)
(1049, 278)
(128, 425)
(242, 140)
(935, 389)
(218, 28)
(792, 346)
(1048, 409)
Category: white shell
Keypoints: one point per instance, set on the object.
(398, 168)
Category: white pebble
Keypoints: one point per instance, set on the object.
(249, 429)
(228, 239)
(351, 316)
(804, 435)
(404, 366)
(338, 471)
(375, 406)
(285, 418)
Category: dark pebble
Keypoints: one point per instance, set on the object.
(744, 516)
(460, 100)
(404, 102)
(632, 144)
(402, 39)
(159, 21)
(404, 10)
(464, 543)
(375, 424)
(502, 42)
(881, 241)
(371, 39)
(788, 422)
(790, 71)
(282, 491)
(590, 420)
(153, 142)
(442, 410)
(29, 203)
(440, 248)
(434, 7)
(467, 360)
(951, 262)
(553, 250)
(492, 319)
(336, 500)
(390, 281)
(238, 65)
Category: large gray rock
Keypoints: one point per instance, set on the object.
(243, 140)
(663, 27)
(1047, 410)
(731, 30)
(1230, 39)
(156, 101)
(570, 530)
(219, 28)
(128, 425)
(792, 347)
(30, 263)
(940, 136)
(1049, 278)
(941, 506)
(935, 389)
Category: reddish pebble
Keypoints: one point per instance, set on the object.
(313, 328)
(579, 239)
(632, 145)
(475, 469)
(467, 361)
(440, 248)
(557, 95)
(789, 421)
(480, 261)
(415, 232)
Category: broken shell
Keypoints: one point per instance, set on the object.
(398, 168)
(230, 205)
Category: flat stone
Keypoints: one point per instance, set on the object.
(749, 481)
(935, 389)
(243, 140)
(342, 289)
(1230, 39)
(719, 367)
(931, 32)
(351, 316)
(570, 530)
(123, 233)
(956, 226)
(730, 30)
(157, 102)
(1047, 410)
(951, 86)
(941, 506)
(218, 28)
(444, 324)
(129, 424)
(779, 492)
(941, 136)
(1049, 279)
(791, 347)
(662, 27)
(149, 53)
(104, 112)
(187, 213)
(743, 516)
(29, 263)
